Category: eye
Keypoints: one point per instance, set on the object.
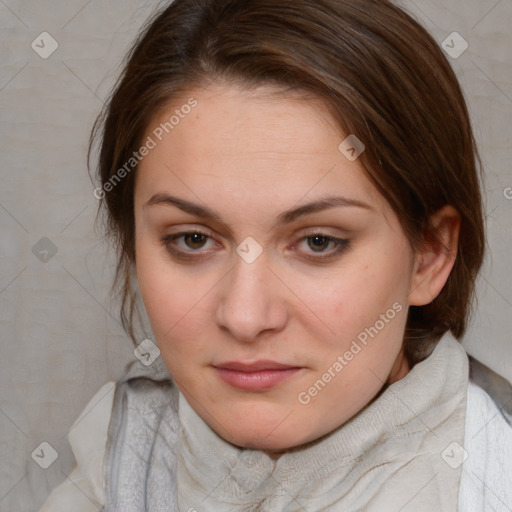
(193, 240)
(319, 243)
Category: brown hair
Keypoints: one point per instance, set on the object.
(384, 79)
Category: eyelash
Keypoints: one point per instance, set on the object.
(341, 245)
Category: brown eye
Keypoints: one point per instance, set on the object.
(187, 245)
(318, 242)
(195, 240)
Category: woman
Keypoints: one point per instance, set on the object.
(293, 187)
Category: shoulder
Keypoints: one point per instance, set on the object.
(486, 480)
(142, 398)
(82, 491)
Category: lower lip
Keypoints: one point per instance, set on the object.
(256, 381)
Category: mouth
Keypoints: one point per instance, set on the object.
(257, 376)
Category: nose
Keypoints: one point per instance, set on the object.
(252, 301)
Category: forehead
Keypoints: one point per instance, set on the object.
(249, 142)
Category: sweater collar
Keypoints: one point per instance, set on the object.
(403, 451)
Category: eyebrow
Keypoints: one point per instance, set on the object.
(286, 217)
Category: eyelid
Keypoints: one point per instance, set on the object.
(185, 230)
(325, 231)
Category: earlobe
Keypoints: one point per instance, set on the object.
(435, 260)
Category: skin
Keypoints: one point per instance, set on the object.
(249, 155)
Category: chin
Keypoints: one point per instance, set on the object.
(270, 444)
(265, 432)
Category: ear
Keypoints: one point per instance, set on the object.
(435, 259)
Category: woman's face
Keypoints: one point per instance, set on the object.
(278, 317)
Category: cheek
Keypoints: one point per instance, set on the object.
(364, 302)
(356, 296)
(173, 306)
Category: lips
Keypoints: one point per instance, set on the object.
(256, 376)
(254, 367)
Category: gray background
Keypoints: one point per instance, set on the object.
(60, 337)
